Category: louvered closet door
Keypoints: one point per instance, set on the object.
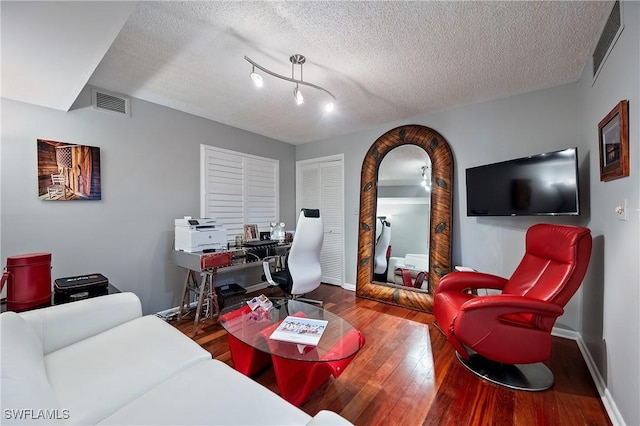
(321, 187)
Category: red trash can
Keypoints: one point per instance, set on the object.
(28, 278)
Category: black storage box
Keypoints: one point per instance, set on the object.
(70, 285)
(229, 294)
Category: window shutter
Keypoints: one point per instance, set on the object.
(238, 189)
(261, 192)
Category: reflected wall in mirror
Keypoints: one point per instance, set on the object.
(404, 238)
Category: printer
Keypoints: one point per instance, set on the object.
(199, 234)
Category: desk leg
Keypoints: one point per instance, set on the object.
(204, 283)
(190, 282)
(213, 310)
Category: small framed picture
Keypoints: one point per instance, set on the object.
(265, 236)
(613, 138)
(251, 232)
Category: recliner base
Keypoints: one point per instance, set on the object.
(526, 377)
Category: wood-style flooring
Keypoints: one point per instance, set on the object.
(407, 374)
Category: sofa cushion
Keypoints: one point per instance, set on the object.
(65, 324)
(99, 375)
(24, 379)
(218, 395)
(327, 418)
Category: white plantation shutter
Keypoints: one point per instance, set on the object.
(321, 187)
(261, 191)
(238, 189)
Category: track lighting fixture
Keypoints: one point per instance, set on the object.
(425, 177)
(296, 59)
(255, 77)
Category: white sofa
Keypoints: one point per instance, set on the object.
(414, 262)
(99, 361)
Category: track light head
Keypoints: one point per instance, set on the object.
(329, 106)
(297, 94)
(255, 77)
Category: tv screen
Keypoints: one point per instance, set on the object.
(542, 184)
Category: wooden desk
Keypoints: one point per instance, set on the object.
(205, 295)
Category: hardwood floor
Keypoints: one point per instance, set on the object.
(407, 374)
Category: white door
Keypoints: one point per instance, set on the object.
(320, 185)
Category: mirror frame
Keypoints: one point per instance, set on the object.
(441, 216)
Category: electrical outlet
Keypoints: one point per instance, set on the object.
(621, 210)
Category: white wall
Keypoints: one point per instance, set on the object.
(611, 293)
(409, 230)
(605, 309)
(492, 131)
(150, 173)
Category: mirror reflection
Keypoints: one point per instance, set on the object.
(403, 206)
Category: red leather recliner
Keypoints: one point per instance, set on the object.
(505, 337)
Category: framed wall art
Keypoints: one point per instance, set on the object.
(251, 232)
(613, 138)
(68, 172)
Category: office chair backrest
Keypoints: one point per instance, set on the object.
(382, 245)
(303, 261)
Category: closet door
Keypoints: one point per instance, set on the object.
(320, 186)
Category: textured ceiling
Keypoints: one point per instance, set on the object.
(384, 61)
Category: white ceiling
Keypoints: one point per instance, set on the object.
(384, 61)
(50, 49)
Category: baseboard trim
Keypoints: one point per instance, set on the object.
(607, 400)
(171, 312)
(350, 287)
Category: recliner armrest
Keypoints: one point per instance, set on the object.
(504, 304)
(465, 280)
(511, 329)
(62, 325)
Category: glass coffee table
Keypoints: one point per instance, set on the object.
(299, 368)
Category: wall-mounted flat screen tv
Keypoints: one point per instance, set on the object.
(542, 184)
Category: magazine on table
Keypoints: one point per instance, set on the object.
(303, 331)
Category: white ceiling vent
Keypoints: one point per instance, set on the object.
(610, 33)
(111, 102)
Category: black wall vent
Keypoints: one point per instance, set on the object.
(608, 37)
(111, 102)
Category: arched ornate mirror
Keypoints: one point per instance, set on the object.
(406, 192)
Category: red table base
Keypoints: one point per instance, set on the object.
(299, 379)
(296, 379)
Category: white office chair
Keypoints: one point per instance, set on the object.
(302, 271)
(382, 245)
